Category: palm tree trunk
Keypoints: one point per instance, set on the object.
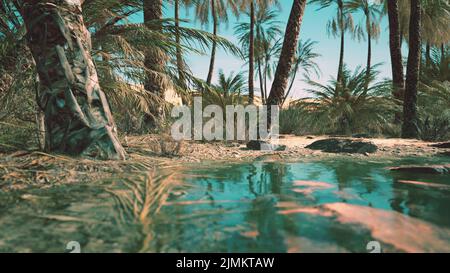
(410, 128)
(341, 59)
(266, 67)
(78, 119)
(395, 46)
(214, 44)
(261, 82)
(369, 58)
(179, 53)
(155, 61)
(287, 53)
(291, 84)
(251, 54)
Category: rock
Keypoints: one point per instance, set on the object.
(444, 145)
(361, 136)
(432, 169)
(260, 145)
(309, 137)
(335, 145)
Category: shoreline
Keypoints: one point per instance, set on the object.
(23, 169)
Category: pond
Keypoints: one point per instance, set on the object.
(339, 205)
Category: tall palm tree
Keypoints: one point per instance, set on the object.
(338, 26)
(78, 119)
(231, 84)
(217, 10)
(252, 6)
(395, 47)
(287, 56)
(179, 53)
(372, 14)
(410, 127)
(267, 32)
(155, 60)
(304, 60)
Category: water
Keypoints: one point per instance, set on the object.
(326, 206)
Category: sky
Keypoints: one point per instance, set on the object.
(313, 27)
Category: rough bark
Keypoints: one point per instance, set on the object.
(251, 55)
(214, 44)
(410, 128)
(395, 46)
(78, 119)
(287, 56)
(180, 62)
(155, 61)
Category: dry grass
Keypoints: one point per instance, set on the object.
(22, 169)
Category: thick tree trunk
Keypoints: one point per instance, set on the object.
(410, 128)
(287, 53)
(78, 120)
(395, 46)
(155, 61)
(214, 44)
(251, 55)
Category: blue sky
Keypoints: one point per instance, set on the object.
(313, 27)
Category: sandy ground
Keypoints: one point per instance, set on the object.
(387, 148)
(21, 169)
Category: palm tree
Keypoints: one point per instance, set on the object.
(267, 31)
(155, 61)
(372, 13)
(395, 47)
(353, 109)
(231, 84)
(218, 11)
(304, 60)
(287, 56)
(77, 114)
(252, 6)
(338, 26)
(410, 127)
(179, 52)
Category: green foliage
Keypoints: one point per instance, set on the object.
(434, 111)
(349, 108)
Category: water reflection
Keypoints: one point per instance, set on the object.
(327, 206)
